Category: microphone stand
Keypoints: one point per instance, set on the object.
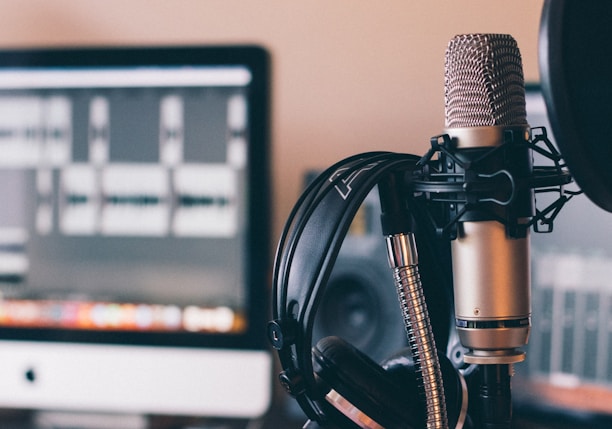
(495, 397)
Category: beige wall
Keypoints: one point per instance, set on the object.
(349, 75)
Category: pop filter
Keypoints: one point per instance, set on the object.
(576, 71)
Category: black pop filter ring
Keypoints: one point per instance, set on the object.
(575, 51)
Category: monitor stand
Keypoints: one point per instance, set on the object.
(71, 420)
(82, 420)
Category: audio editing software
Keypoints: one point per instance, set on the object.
(120, 188)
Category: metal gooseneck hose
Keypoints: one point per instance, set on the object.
(403, 259)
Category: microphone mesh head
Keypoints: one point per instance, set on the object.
(483, 82)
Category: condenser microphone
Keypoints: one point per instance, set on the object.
(486, 121)
(488, 134)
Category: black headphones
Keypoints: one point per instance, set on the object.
(334, 383)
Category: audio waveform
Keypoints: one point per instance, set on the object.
(202, 201)
(133, 200)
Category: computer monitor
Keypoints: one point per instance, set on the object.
(134, 227)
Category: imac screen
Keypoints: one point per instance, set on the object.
(134, 229)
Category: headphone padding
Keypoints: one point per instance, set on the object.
(365, 384)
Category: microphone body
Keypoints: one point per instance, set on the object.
(486, 121)
(488, 134)
(491, 260)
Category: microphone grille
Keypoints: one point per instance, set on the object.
(483, 82)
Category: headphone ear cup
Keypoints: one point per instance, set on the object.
(353, 377)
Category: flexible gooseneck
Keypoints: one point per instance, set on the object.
(403, 259)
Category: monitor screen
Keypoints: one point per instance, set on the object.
(134, 230)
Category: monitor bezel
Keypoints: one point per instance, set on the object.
(256, 60)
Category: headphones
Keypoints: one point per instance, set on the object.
(335, 384)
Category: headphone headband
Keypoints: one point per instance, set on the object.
(305, 257)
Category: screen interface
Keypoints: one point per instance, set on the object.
(124, 199)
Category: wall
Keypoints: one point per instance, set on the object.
(349, 75)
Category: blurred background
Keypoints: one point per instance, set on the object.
(348, 76)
